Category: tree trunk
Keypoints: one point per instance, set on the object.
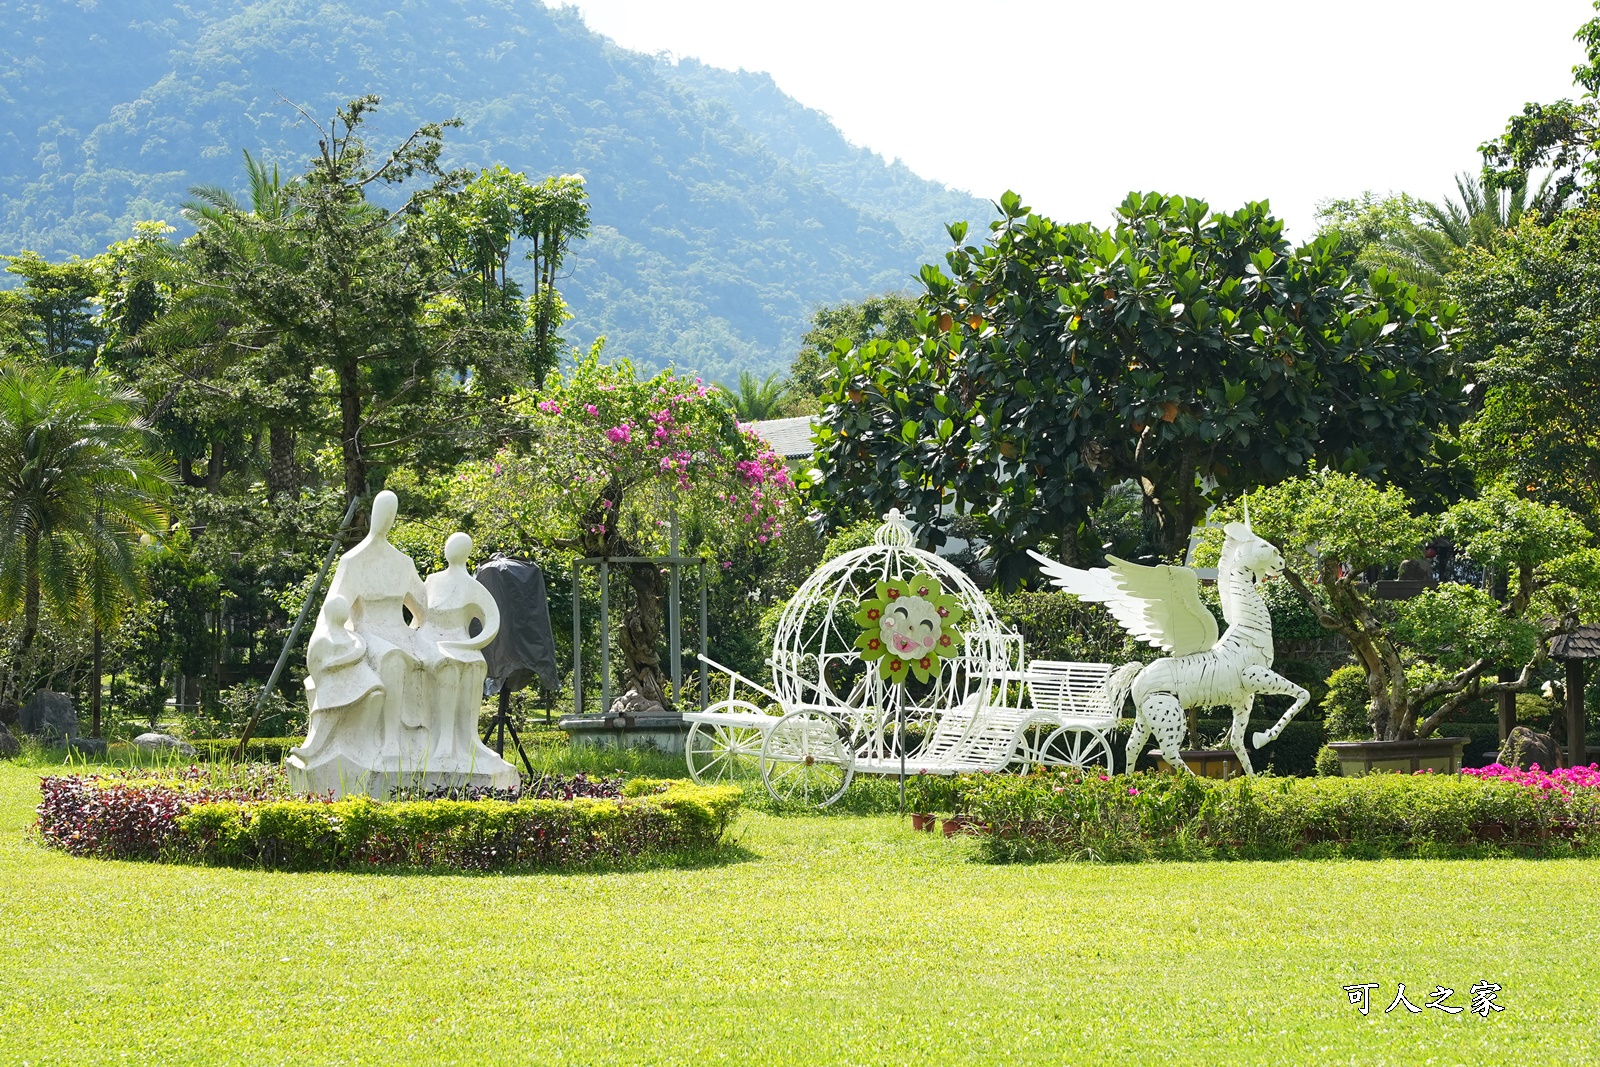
(11, 697)
(281, 475)
(94, 684)
(214, 469)
(1173, 509)
(641, 640)
(187, 475)
(355, 466)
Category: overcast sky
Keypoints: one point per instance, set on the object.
(1073, 103)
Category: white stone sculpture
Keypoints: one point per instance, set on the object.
(1161, 606)
(395, 704)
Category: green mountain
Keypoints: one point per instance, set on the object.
(724, 211)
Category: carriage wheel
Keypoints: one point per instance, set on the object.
(1031, 745)
(1072, 746)
(807, 757)
(723, 753)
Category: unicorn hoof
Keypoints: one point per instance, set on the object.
(1259, 738)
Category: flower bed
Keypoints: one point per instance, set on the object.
(1064, 815)
(252, 821)
(1564, 779)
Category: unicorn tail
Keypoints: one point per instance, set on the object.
(1120, 682)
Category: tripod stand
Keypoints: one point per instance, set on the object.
(501, 723)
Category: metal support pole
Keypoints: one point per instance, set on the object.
(674, 612)
(704, 697)
(605, 637)
(505, 714)
(1575, 725)
(294, 631)
(1508, 706)
(577, 643)
(900, 739)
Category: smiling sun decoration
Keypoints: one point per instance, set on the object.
(907, 626)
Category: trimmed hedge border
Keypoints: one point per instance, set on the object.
(185, 821)
(1147, 816)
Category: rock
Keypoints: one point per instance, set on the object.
(89, 746)
(634, 703)
(8, 744)
(1417, 570)
(153, 742)
(50, 716)
(1524, 747)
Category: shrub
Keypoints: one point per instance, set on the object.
(1057, 625)
(1327, 763)
(237, 703)
(1344, 708)
(183, 820)
(1063, 815)
(1536, 711)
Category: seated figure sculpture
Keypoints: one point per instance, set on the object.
(394, 704)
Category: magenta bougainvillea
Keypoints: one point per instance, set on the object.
(604, 462)
(607, 456)
(1562, 779)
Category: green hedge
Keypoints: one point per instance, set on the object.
(184, 821)
(456, 834)
(1061, 815)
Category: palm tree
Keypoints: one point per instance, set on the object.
(80, 482)
(757, 398)
(1425, 247)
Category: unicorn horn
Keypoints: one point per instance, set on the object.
(1246, 501)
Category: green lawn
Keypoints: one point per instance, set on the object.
(840, 940)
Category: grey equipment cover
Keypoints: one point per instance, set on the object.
(525, 648)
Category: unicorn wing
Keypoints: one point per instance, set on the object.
(1158, 605)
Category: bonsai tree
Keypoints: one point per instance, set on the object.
(609, 462)
(1334, 529)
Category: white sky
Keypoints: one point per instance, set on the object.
(1074, 102)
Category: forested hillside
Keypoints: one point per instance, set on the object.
(724, 211)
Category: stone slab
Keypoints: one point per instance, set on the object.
(663, 733)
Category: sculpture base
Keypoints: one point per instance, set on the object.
(1203, 762)
(664, 732)
(341, 776)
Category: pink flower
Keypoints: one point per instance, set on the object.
(620, 434)
(1133, 791)
(550, 406)
(591, 409)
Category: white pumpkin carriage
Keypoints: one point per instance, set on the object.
(889, 661)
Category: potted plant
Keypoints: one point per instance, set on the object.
(1424, 658)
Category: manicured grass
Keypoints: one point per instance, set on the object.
(845, 939)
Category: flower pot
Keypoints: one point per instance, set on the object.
(1439, 754)
(922, 821)
(956, 825)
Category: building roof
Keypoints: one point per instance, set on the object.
(1582, 643)
(790, 438)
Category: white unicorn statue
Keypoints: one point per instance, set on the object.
(1161, 606)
